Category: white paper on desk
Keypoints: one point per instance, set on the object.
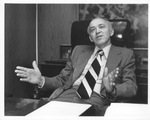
(57, 108)
(127, 109)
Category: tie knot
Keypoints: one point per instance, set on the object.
(100, 52)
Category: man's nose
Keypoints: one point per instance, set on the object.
(98, 30)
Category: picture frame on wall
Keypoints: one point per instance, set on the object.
(65, 51)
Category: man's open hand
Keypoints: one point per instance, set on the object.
(109, 79)
(29, 75)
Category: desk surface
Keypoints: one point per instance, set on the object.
(22, 107)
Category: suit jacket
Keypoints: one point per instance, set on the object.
(118, 57)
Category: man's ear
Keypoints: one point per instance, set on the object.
(111, 32)
(90, 39)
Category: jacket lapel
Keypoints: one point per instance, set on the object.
(113, 58)
(81, 63)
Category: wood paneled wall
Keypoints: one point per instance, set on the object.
(54, 28)
(20, 38)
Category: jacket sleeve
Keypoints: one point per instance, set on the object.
(127, 88)
(52, 83)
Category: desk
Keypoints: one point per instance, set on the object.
(22, 107)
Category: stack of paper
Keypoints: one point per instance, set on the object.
(57, 108)
(127, 110)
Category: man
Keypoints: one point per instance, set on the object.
(115, 80)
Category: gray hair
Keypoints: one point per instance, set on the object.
(109, 23)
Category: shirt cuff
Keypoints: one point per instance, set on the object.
(41, 86)
(112, 96)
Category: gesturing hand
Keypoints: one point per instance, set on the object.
(29, 75)
(108, 79)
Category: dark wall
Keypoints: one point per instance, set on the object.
(54, 28)
(20, 39)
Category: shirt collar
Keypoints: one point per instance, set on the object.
(105, 49)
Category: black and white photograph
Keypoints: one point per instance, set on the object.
(68, 60)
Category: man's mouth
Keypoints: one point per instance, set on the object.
(99, 36)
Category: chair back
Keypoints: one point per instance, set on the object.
(79, 35)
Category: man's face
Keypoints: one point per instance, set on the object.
(100, 32)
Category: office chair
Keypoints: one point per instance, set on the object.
(121, 37)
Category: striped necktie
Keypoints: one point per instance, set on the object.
(87, 84)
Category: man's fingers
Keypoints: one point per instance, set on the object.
(116, 75)
(112, 84)
(105, 72)
(24, 79)
(113, 74)
(20, 71)
(22, 75)
(22, 68)
(35, 65)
